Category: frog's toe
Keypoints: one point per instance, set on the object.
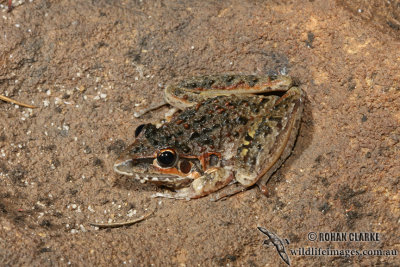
(184, 193)
(228, 191)
(172, 196)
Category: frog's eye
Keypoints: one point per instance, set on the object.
(139, 129)
(167, 158)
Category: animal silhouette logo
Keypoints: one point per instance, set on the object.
(279, 244)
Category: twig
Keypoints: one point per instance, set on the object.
(4, 98)
(115, 225)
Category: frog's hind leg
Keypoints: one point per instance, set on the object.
(271, 139)
(212, 180)
(288, 140)
(261, 183)
(191, 91)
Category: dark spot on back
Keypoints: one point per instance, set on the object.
(248, 137)
(201, 119)
(241, 120)
(273, 77)
(214, 160)
(202, 82)
(228, 79)
(252, 80)
(194, 135)
(185, 148)
(187, 114)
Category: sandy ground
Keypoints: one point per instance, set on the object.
(88, 65)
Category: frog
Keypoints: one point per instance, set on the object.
(232, 131)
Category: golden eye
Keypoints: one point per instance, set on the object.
(167, 158)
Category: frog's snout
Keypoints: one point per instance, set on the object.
(124, 167)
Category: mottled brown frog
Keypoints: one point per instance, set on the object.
(233, 129)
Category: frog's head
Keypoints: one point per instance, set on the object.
(156, 157)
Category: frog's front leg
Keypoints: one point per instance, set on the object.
(167, 117)
(212, 180)
(143, 110)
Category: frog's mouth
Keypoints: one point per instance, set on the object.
(144, 170)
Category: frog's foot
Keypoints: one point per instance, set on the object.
(264, 189)
(175, 195)
(167, 117)
(212, 180)
(170, 113)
